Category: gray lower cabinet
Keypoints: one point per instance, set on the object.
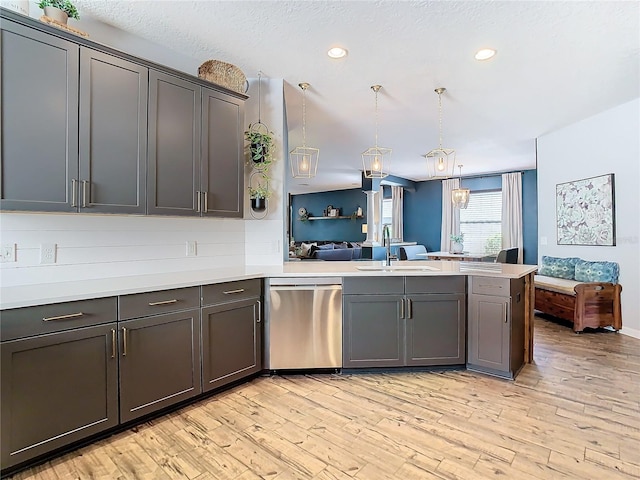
(373, 331)
(496, 326)
(39, 127)
(113, 134)
(404, 321)
(59, 381)
(222, 174)
(159, 352)
(231, 332)
(174, 146)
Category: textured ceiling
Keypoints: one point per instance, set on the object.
(557, 63)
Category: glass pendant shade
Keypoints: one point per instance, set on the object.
(304, 160)
(460, 196)
(375, 160)
(441, 162)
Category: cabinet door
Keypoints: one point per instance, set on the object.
(39, 120)
(159, 362)
(113, 134)
(174, 145)
(489, 332)
(373, 331)
(222, 154)
(231, 342)
(57, 389)
(436, 329)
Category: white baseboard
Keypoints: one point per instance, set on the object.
(631, 332)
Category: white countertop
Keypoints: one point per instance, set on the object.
(44, 293)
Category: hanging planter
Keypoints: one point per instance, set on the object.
(258, 204)
(261, 145)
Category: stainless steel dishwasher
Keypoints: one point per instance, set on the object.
(304, 323)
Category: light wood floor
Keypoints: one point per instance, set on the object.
(574, 414)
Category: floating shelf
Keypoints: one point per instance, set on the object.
(335, 218)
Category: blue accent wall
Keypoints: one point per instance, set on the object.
(422, 213)
(329, 229)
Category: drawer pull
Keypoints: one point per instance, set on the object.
(259, 316)
(164, 302)
(113, 343)
(63, 317)
(230, 292)
(409, 308)
(482, 285)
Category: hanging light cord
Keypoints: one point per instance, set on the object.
(376, 117)
(304, 117)
(440, 117)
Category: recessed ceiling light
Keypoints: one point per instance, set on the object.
(337, 52)
(485, 54)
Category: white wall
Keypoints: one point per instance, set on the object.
(98, 246)
(605, 143)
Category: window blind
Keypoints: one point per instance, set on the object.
(481, 222)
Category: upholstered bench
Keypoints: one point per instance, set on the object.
(582, 292)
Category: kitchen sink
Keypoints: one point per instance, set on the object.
(396, 268)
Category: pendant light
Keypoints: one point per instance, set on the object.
(373, 159)
(440, 161)
(304, 160)
(460, 196)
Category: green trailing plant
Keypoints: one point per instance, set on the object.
(457, 238)
(65, 5)
(261, 145)
(260, 191)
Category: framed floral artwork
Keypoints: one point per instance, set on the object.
(585, 211)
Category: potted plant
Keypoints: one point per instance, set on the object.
(261, 146)
(59, 10)
(457, 246)
(259, 196)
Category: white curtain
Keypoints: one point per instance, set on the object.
(512, 212)
(397, 226)
(450, 215)
(377, 215)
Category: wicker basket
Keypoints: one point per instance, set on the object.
(224, 74)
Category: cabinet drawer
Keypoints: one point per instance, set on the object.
(30, 321)
(231, 291)
(373, 285)
(491, 286)
(154, 303)
(435, 284)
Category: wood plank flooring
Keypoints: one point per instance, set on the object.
(573, 414)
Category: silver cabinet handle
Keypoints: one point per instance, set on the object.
(409, 308)
(124, 342)
(113, 343)
(74, 192)
(230, 292)
(63, 317)
(259, 304)
(402, 308)
(206, 202)
(164, 302)
(85, 184)
(198, 195)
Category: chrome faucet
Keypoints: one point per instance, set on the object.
(386, 241)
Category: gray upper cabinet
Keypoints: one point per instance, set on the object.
(174, 145)
(39, 126)
(113, 134)
(222, 154)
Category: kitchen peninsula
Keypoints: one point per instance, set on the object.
(118, 331)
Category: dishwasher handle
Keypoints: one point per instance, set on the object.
(282, 288)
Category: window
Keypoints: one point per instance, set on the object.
(387, 211)
(481, 222)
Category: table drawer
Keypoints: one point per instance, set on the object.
(231, 291)
(500, 287)
(55, 317)
(155, 303)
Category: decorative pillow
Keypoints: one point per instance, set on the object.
(597, 271)
(559, 267)
(315, 248)
(341, 245)
(305, 249)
